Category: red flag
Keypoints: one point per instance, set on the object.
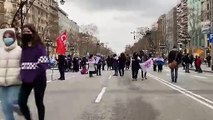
(61, 44)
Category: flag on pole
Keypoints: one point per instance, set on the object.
(61, 44)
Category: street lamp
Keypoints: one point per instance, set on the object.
(48, 44)
(62, 2)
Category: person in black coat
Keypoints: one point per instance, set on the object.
(121, 64)
(128, 61)
(135, 66)
(186, 60)
(174, 55)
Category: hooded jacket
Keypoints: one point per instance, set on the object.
(10, 65)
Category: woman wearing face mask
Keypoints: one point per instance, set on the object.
(10, 81)
(34, 63)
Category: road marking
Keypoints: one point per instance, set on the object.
(209, 75)
(110, 77)
(199, 77)
(208, 103)
(98, 99)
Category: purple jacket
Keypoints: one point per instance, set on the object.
(34, 63)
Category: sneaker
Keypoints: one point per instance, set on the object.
(16, 109)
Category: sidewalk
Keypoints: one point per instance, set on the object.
(204, 68)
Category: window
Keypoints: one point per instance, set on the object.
(208, 6)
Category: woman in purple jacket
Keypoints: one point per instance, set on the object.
(34, 63)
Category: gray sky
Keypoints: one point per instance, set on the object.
(117, 18)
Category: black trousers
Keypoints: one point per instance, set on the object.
(39, 86)
(61, 66)
(121, 71)
(62, 72)
(98, 69)
(143, 74)
(160, 68)
(134, 74)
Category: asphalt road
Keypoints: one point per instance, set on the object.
(108, 97)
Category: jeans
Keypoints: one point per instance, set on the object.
(98, 70)
(9, 99)
(143, 74)
(134, 73)
(39, 86)
(187, 67)
(174, 74)
(121, 71)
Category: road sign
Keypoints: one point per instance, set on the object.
(210, 36)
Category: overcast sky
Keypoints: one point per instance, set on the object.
(117, 18)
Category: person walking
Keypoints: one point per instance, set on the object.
(160, 63)
(186, 60)
(103, 63)
(109, 64)
(208, 59)
(128, 61)
(91, 64)
(174, 58)
(10, 82)
(115, 65)
(121, 64)
(143, 58)
(198, 64)
(191, 57)
(135, 66)
(33, 71)
(99, 63)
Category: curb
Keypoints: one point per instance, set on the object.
(204, 71)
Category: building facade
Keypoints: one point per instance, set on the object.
(194, 24)
(72, 29)
(161, 34)
(7, 11)
(206, 23)
(182, 20)
(171, 28)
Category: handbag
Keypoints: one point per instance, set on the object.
(173, 64)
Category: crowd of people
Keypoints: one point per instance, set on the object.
(22, 71)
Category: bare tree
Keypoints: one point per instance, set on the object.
(90, 29)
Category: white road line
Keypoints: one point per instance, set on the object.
(199, 77)
(208, 103)
(98, 99)
(110, 77)
(208, 75)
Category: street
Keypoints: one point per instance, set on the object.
(82, 98)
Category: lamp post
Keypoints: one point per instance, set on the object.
(48, 44)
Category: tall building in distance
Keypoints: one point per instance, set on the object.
(171, 28)
(194, 24)
(206, 23)
(182, 20)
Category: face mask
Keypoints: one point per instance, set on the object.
(27, 37)
(8, 41)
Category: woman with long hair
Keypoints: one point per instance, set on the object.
(34, 63)
(9, 77)
(121, 64)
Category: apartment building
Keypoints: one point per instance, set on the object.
(171, 28)
(182, 20)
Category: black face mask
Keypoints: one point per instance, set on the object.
(27, 37)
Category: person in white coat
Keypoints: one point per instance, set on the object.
(10, 82)
(91, 62)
